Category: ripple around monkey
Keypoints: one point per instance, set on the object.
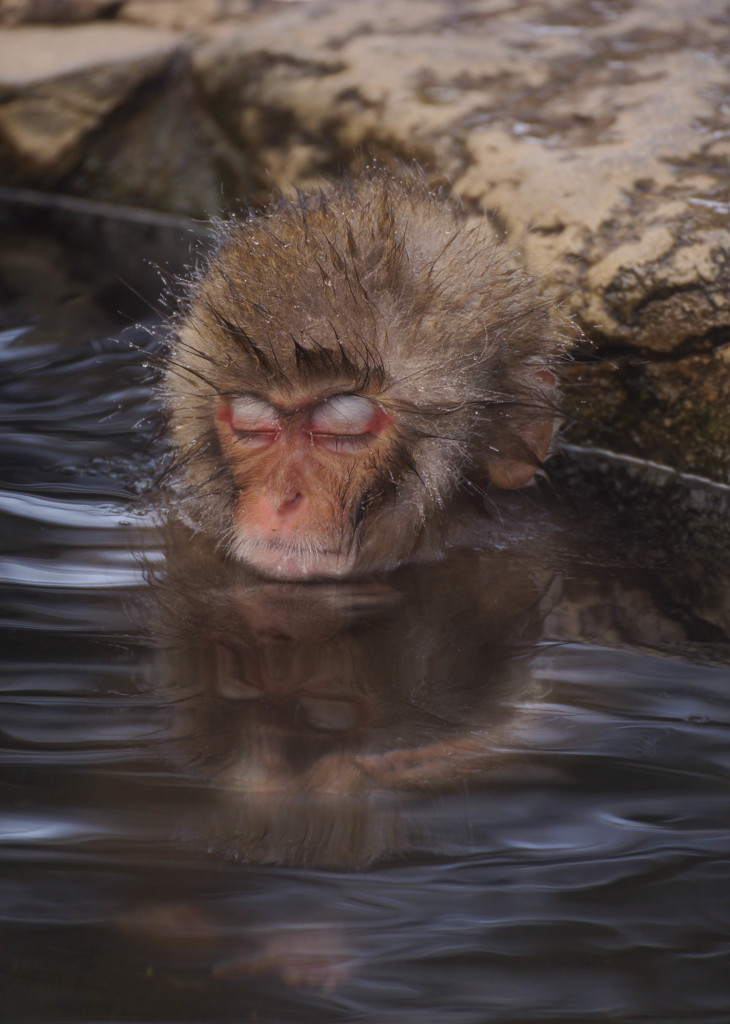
(345, 368)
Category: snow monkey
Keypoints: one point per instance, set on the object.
(345, 368)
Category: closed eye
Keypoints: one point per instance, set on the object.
(346, 423)
(252, 415)
(343, 442)
(345, 416)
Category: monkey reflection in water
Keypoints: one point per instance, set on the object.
(302, 703)
(349, 376)
(316, 714)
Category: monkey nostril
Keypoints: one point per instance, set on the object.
(285, 506)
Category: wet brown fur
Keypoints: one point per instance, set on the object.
(380, 287)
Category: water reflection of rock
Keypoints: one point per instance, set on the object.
(313, 709)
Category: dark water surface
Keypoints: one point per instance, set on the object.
(492, 789)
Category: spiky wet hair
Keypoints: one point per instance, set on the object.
(386, 286)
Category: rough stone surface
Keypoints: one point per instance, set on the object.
(180, 15)
(111, 110)
(658, 410)
(33, 56)
(16, 12)
(595, 136)
(596, 129)
(57, 85)
(150, 153)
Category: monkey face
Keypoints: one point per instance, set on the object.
(343, 368)
(303, 471)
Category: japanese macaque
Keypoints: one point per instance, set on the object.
(345, 366)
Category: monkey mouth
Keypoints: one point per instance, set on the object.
(288, 560)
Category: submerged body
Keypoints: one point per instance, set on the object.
(344, 368)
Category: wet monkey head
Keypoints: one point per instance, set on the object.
(344, 366)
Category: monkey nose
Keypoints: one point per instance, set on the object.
(277, 512)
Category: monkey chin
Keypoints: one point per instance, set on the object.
(291, 561)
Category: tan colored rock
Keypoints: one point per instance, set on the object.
(57, 85)
(594, 136)
(592, 127)
(32, 56)
(178, 15)
(17, 12)
(164, 153)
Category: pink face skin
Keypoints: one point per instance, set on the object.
(293, 461)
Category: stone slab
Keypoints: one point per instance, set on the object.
(30, 55)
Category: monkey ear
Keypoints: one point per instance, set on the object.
(537, 433)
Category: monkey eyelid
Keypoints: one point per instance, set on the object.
(343, 443)
(261, 438)
(345, 415)
(250, 414)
